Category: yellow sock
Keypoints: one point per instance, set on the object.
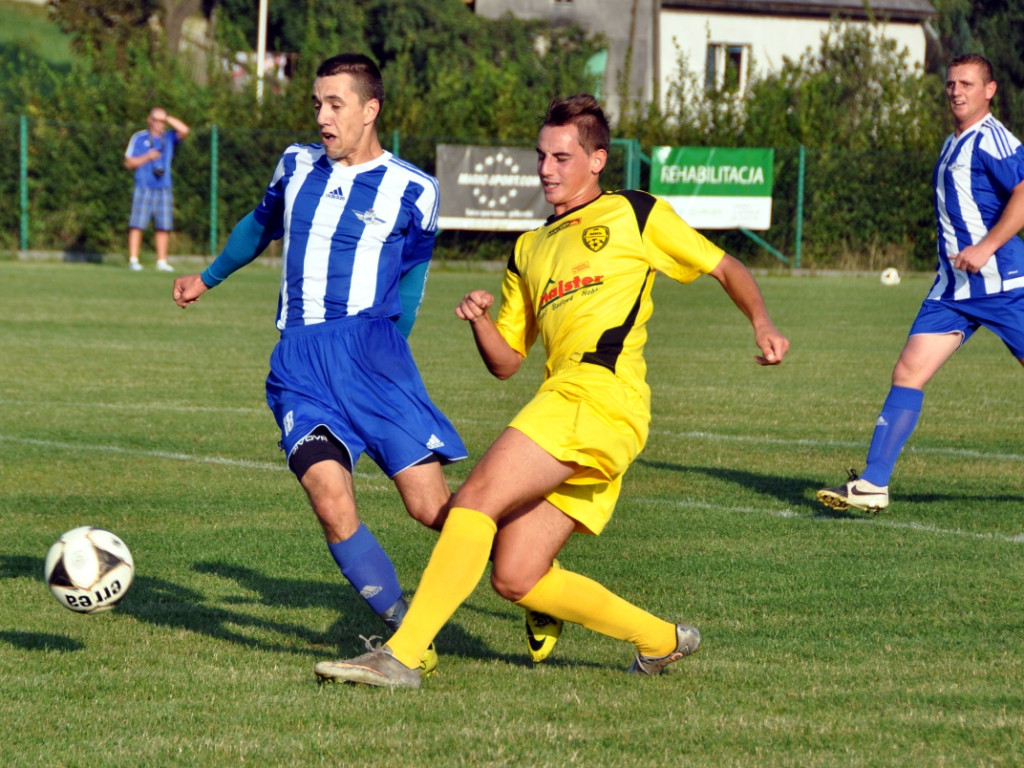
(572, 597)
(456, 565)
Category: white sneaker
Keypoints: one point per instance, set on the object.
(163, 266)
(134, 266)
(857, 493)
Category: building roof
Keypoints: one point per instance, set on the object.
(915, 11)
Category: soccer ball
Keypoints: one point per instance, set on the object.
(890, 276)
(89, 569)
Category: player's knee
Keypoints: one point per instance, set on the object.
(427, 496)
(513, 588)
(430, 515)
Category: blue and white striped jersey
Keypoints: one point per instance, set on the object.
(349, 233)
(973, 181)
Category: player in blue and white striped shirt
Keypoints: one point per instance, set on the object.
(358, 227)
(979, 209)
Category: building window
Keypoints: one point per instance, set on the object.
(726, 67)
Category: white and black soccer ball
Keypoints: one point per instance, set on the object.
(890, 276)
(89, 569)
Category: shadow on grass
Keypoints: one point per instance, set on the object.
(164, 603)
(794, 492)
(355, 618)
(798, 493)
(40, 641)
(19, 566)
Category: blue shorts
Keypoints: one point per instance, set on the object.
(358, 379)
(152, 204)
(1002, 313)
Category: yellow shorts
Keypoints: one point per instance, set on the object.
(587, 416)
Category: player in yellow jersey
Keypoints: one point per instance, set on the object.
(582, 283)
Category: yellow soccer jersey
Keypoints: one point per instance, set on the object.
(583, 281)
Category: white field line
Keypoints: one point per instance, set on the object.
(861, 446)
(137, 406)
(752, 439)
(218, 460)
(782, 513)
(885, 522)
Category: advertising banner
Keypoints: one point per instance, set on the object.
(490, 188)
(716, 187)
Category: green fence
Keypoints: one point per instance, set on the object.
(63, 187)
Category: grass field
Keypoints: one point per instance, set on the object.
(829, 639)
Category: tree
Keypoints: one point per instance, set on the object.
(174, 14)
(857, 91)
(995, 29)
(237, 22)
(117, 25)
(105, 25)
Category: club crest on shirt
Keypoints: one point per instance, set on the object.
(596, 238)
(368, 217)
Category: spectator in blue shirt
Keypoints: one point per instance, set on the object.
(149, 155)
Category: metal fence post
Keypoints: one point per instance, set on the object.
(799, 207)
(631, 160)
(632, 177)
(213, 191)
(23, 181)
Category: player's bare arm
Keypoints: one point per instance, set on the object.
(501, 360)
(741, 287)
(187, 290)
(974, 257)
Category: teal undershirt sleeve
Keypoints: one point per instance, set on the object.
(410, 290)
(248, 240)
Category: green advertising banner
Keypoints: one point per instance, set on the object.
(716, 187)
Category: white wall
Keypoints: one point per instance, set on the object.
(770, 37)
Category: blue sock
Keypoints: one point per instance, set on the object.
(368, 569)
(895, 424)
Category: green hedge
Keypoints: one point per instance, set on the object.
(861, 209)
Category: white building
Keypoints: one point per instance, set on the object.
(717, 37)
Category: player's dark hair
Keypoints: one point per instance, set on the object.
(368, 81)
(583, 111)
(975, 58)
